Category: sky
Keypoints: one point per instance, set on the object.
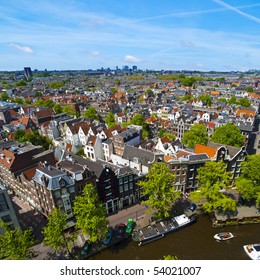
(203, 35)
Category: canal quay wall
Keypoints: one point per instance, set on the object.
(243, 215)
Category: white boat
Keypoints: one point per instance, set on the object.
(223, 236)
(253, 251)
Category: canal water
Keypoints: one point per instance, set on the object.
(194, 242)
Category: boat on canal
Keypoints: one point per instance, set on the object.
(253, 251)
(222, 236)
(159, 229)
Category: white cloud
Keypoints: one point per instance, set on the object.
(130, 58)
(24, 49)
(94, 53)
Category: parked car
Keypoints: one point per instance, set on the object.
(109, 236)
(85, 249)
(192, 207)
(120, 230)
(129, 226)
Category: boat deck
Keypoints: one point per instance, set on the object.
(158, 228)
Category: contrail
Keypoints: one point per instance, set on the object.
(236, 10)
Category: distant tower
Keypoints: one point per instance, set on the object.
(134, 68)
(27, 72)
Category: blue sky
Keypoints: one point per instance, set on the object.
(168, 34)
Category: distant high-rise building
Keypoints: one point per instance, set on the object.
(125, 68)
(134, 68)
(27, 72)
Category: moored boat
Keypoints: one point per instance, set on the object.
(253, 251)
(223, 236)
(159, 229)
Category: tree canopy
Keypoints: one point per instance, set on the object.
(228, 134)
(90, 214)
(34, 137)
(213, 179)
(196, 135)
(15, 244)
(110, 119)
(248, 183)
(159, 189)
(54, 234)
(91, 113)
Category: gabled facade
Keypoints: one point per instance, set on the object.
(55, 189)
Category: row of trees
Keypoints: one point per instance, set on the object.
(160, 196)
(228, 134)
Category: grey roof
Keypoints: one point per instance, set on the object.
(198, 157)
(50, 177)
(145, 157)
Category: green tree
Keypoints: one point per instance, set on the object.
(37, 94)
(170, 258)
(213, 179)
(244, 102)
(15, 244)
(232, 100)
(56, 85)
(196, 135)
(138, 119)
(90, 214)
(91, 113)
(228, 134)
(159, 190)
(248, 183)
(19, 134)
(80, 152)
(206, 98)
(34, 137)
(57, 108)
(4, 96)
(110, 119)
(54, 232)
(249, 89)
(69, 110)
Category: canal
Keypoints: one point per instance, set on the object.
(195, 242)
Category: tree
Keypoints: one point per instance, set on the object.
(57, 108)
(15, 244)
(159, 190)
(213, 179)
(54, 232)
(206, 98)
(90, 214)
(170, 258)
(196, 135)
(232, 100)
(138, 119)
(91, 113)
(248, 183)
(4, 96)
(110, 120)
(228, 134)
(244, 102)
(69, 110)
(34, 137)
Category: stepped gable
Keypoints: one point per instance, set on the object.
(232, 151)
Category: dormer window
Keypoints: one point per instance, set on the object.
(62, 182)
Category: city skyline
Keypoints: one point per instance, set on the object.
(201, 35)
